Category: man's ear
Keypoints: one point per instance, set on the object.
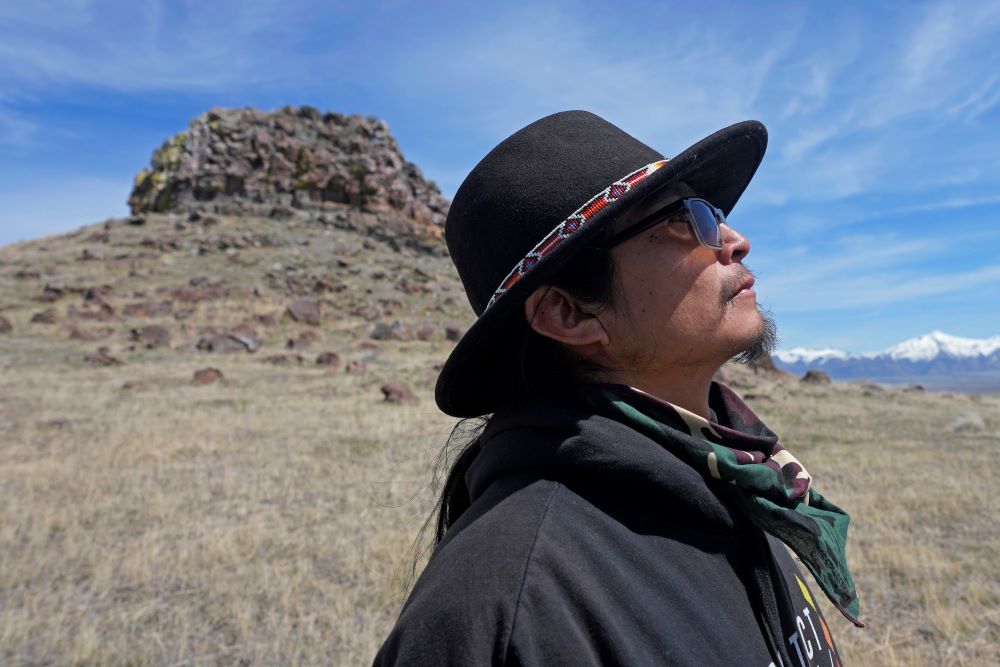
(555, 313)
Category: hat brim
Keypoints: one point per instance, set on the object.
(480, 374)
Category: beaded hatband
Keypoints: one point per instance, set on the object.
(573, 224)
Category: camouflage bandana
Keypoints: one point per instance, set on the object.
(769, 485)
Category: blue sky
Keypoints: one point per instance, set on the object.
(873, 218)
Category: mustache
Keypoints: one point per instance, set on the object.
(730, 284)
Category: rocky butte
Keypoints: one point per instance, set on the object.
(294, 162)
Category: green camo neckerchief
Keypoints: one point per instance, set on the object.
(770, 486)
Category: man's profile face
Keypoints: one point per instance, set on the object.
(676, 305)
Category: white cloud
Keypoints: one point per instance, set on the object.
(16, 130)
(669, 90)
(791, 293)
(133, 47)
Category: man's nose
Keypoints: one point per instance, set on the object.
(735, 246)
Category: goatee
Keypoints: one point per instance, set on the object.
(763, 343)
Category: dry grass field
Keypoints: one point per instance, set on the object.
(268, 519)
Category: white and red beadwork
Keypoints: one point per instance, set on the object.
(573, 224)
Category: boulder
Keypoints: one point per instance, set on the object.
(813, 376)
(330, 360)
(5, 325)
(284, 359)
(395, 391)
(394, 331)
(241, 338)
(103, 357)
(47, 316)
(305, 310)
(303, 340)
(452, 331)
(151, 336)
(356, 367)
(76, 332)
(207, 376)
(148, 308)
(286, 162)
(49, 294)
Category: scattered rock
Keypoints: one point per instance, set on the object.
(813, 376)
(356, 367)
(284, 359)
(367, 313)
(750, 396)
(103, 357)
(96, 295)
(47, 316)
(305, 310)
(197, 290)
(241, 338)
(266, 319)
(425, 332)
(5, 325)
(50, 294)
(914, 388)
(134, 385)
(102, 312)
(207, 376)
(329, 359)
(452, 331)
(869, 386)
(409, 286)
(395, 391)
(76, 332)
(394, 331)
(151, 336)
(148, 308)
(303, 340)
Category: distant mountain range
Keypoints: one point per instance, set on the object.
(936, 354)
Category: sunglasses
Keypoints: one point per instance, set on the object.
(703, 217)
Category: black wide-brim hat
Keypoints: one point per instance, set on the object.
(533, 202)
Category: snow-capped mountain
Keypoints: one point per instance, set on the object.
(937, 343)
(936, 353)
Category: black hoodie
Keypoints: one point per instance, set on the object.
(587, 543)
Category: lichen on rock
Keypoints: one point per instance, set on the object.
(247, 162)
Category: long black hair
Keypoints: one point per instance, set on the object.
(544, 366)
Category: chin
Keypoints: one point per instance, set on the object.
(760, 340)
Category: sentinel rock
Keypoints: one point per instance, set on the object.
(250, 162)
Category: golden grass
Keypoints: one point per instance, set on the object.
(268, 519)
(263, 520)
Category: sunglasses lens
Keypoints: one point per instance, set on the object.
(705, 219)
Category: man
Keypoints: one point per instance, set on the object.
(619, 507)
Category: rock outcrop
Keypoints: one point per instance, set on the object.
(250, 162)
